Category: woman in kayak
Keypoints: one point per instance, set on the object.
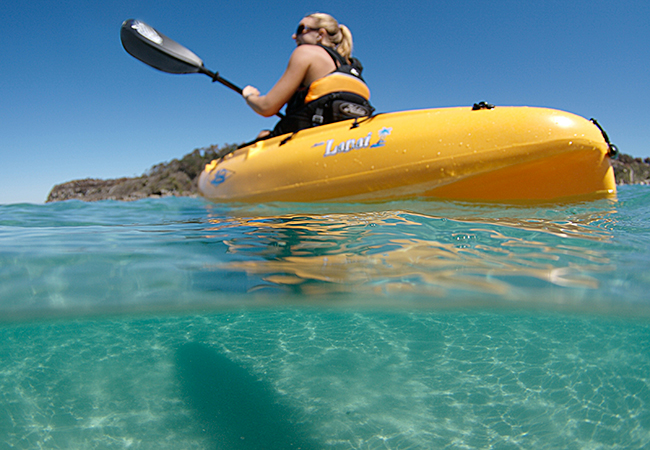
(322, 82)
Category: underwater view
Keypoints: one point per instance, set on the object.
(175, 323)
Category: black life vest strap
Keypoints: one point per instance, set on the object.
(336, 56)
(353, 67)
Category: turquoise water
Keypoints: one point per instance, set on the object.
(176, 323)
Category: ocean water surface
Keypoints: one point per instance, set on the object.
(179, 324)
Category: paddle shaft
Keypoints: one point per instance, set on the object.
(215, 77)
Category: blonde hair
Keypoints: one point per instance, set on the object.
(339, 34)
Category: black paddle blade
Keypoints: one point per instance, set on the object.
(155, 49)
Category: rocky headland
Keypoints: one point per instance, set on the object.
(179, 178)
(630, 170)
(176, 178)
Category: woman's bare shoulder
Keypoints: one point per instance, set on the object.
(309, 51)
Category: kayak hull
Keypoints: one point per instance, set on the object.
(501, 154)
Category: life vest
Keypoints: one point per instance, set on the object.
(340, 95)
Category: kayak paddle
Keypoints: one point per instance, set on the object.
(158, 51)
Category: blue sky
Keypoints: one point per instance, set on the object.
(76, 105)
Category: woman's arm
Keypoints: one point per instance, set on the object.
(293, 77)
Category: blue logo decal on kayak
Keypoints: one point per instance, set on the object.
(355, 144)
(221, 176)
(383, 134)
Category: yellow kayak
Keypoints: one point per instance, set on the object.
(506, 154)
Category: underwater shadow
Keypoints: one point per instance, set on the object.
(235, 409)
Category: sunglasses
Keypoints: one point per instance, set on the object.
(303, 29)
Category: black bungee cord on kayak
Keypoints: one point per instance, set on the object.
(482, 105)
(613, 150)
